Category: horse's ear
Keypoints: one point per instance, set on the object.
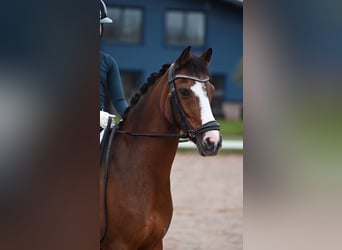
(206, 56)
(184, 57)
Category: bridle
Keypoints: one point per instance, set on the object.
(187, 132)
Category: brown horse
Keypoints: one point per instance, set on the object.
(135, 183)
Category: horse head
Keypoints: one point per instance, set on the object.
(190, 95)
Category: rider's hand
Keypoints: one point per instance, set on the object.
(104, 116)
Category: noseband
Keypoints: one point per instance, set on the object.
(187, 132)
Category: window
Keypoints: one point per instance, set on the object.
(129, 80)
(185, 27)
(126, 26)
(217, 102)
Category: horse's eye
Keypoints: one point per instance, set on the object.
(184, 92)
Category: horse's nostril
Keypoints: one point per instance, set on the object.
(209, 145)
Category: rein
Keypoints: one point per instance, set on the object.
(181, 135)
(188, 134)
(109, 132)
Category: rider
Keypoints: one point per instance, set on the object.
(109, 78)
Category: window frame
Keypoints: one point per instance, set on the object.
(185, 13)
(218, 98)
(121, 9)
(129, 91)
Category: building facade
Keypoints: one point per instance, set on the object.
(146, 34)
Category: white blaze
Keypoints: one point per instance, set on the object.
(205, 109)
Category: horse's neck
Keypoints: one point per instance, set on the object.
(148, 116)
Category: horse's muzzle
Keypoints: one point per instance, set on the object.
(207, 147)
